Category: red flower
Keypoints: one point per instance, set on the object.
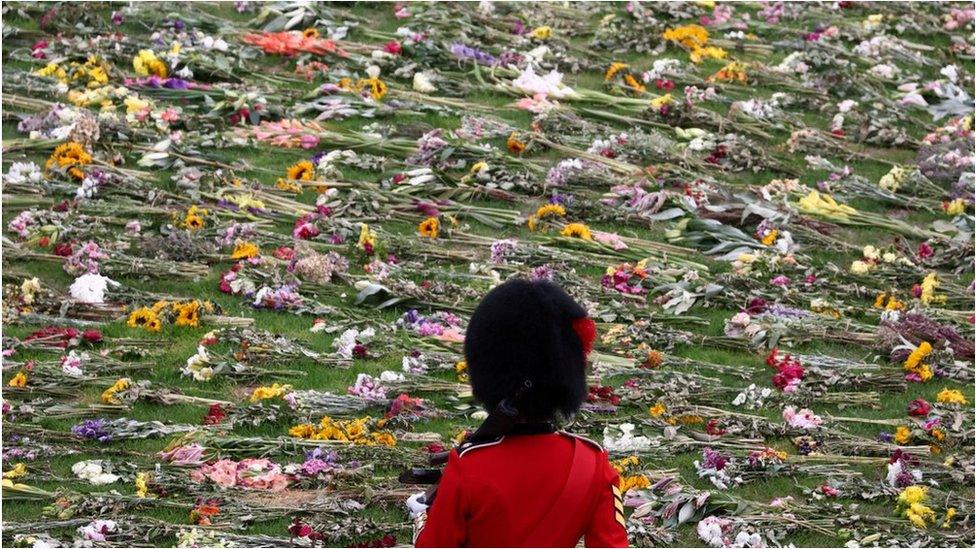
(92, 336)
(712, 428)
(393, 47)
(360, 351)
(63, 249)
(919, 407)
(924, 251)
(837, 133)
(434, 448)
(44, 241)
(215, 415)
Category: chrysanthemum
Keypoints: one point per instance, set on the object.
(245, 250)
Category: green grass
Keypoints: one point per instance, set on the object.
(264, 164)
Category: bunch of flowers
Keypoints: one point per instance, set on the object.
(62, 338)
(627, 278)
(251, 474)
(260, 394)
(368, 387)
(900, 471)
(694, 38)
(789, 371)
(913, 365)
(621, 438)
(95, 471)
(441, 324)
(911, 505)
(362, 431)
(718, 468)
(85, 259)
(69, 158)
(721, 532)
(352, 343)
(803, 418)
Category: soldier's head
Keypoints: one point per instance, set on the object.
(527, 342)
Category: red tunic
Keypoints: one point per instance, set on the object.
(516, 492)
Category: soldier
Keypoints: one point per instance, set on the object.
(518, 481)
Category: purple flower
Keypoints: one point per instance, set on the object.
(92, 429)
(117, 18)
(467, 52)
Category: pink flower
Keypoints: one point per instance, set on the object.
(781, 280)
(223, 473)
(802, 418)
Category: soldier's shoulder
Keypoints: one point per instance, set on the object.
(592, 443)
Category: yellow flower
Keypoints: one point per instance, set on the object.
(577, 230)
(614, 68)
(68, 155)
(657, 410)
(879, 301)
(903, 435)
(266, 393)
(134, 104)
(367, 238)
(912, 494)
(541, 33)
(141, 318)
(621, 464)
(659, 103)
(956, 207)
(384, 438)
(770, 237)
(53, 69)
(245, 250)
(302, 171)
(19, 470)
(951, 396)
(950, 512)
(146, 63)
(310, 32)
(304, 430)
(632, 82)
(915, 358)
(19, 380)
(825, 206)
(861, 267)
(479, 166)
(377, 88)
(710, 52)
(429, 228)
(108, 396)
(461, 369)
(733, 72)
(188, 314)
(550, 210)
(929, 284)
(689, 36)
(142, 484)
(635, 482)
(532, 222)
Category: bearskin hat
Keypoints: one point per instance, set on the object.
(526, 342)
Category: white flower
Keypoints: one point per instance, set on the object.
(846, 105)
(389, 376)
(197, 365)
(23, 172)
(422, 83)
(950, 72)
(551, 84)
(93, 472)
(90, 288)
(373, 71)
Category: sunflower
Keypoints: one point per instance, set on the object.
(377, 88)
(193, 222)
(550, 210)
(614, 68)
(634, 84)
(154, 325)
(188, 314)
(310, 32)
(429, 227)
(302, 171)
(141, 317)
(577, 230)
(245, 250)
(69, 155)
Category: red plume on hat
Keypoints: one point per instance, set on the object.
(585, 329)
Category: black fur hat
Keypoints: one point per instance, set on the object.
(523, 331)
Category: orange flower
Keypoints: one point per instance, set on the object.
(514, 144)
